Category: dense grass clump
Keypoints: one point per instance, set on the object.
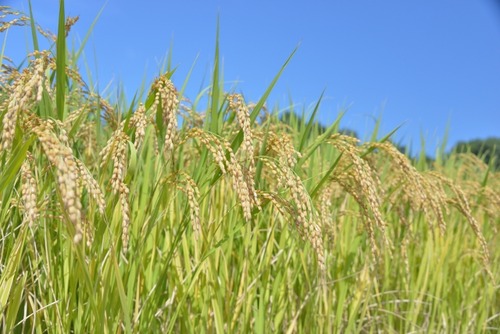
(156, 217)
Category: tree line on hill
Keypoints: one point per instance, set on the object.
(487, 149)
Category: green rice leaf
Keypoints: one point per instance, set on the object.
(61, 64)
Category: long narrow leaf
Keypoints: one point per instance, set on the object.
(256, 110)
(34, 35)
(325, 177)
(310, 150)
(214, 96)
(12, 266)
(61, 64)
(307, 130)
(89, 32)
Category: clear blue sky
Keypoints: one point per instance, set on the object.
(422, 64)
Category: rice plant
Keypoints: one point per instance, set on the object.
(156, 217)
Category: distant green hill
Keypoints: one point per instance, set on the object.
(487, 149)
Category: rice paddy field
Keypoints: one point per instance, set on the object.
(211, 215)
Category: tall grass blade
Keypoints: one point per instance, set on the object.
(89, 32)
(9, 273)
(307, 130)
(9, 172)
(34, 36)
(320, 140)
(61, 64)
(325, 177)
(214, 110)
(258, 106)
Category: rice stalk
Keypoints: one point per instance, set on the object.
(140, 121)
(237, 104)
(212, 144)
(246, 274)
(70, 22)
(165, 98)
(61, 157)
(304, 217)
(29, 193)
(356, 176)
(241, 184)
(23, 92)
(20, 20)
(92, 186)
(193, 195)
(116, 151)
(123, 192)
(325, 206)
(414, 187)
(461, 203)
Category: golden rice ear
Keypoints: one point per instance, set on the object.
(325, 208)
(124, 202)
(29, 193)
(92, 186)
(212, 143)
(420, 192)
(116, 150)
(356, 176)
(26, 89)
(61, 157)
(70, 22)
(111, 116)
(193, 195)
(247, 149)
(241, 185)
(461, 203)
(18, 18)
(166, 98)
(237, 104)
(303, 214)
(140, 121)
(119, 158)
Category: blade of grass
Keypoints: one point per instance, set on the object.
(310, 150)
(188, 76)
(15, 302)
(263, 99)
(235, 144)
(325, 177)
(3, 47)
(123, 297)
(12, 266)
(383, 140)
(61, 64)
(376, 129)
(34, 36)
(256, 110)
(89, 31)
(213, 124)
(10, 171)
(260, 164)
(307, 130)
